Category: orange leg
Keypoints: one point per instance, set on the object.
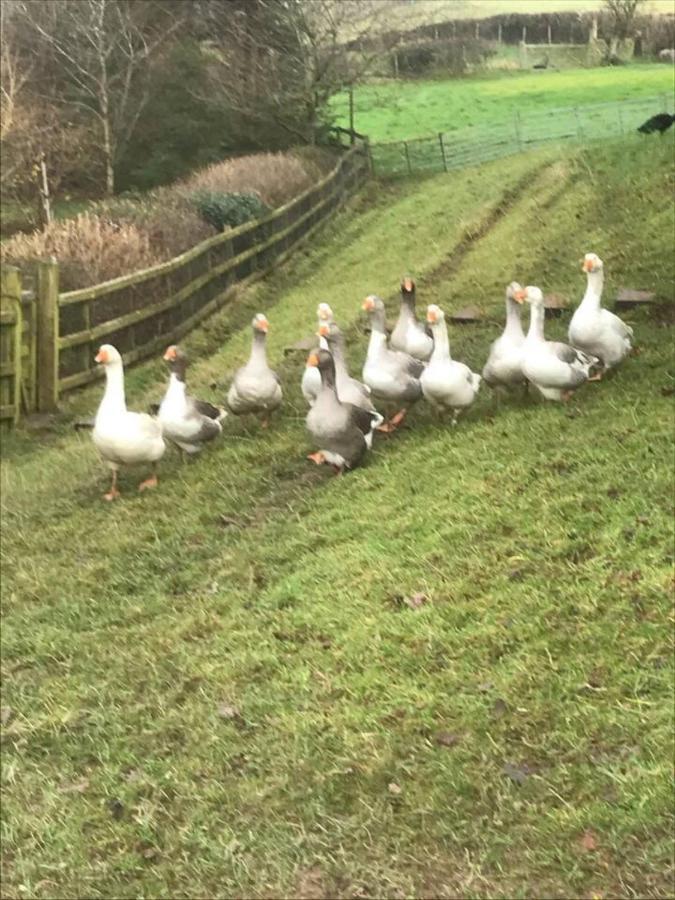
(338, 470)
(265, 422)
(150, 482)
(635, 351)
(393, 423)
(597, 376)
(113, 493)
(566, 395)
(317, 457)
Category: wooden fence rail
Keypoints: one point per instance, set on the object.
(142, 312)
(471, 146)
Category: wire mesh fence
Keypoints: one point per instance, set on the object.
(482, 143)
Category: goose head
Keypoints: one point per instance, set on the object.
(324, 312)
(374, 306)
(177, 360)
(107, 355)
(435, 315)
(592, 263)
(330, 332)
(512, 289)
(260, 324)
(529, 294)
(323, 361)
(407, 287)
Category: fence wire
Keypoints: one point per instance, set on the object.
(482, 143)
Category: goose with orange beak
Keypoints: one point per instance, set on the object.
(409, 335)
(554, 368)
(342, 431)
(349, 390)
(310, 384)
(188, 422)
(255, 387)
(446, 383)
(504, 366)
(391, 375)
(595, 330)
(122, 437)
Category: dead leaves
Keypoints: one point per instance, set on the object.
(588, 841)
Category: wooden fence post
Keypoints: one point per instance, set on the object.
(48, 335)
(440, 141)
(519, 136)
(407, 157)
(12, 348)
(578, 121)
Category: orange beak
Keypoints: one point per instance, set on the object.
(170, 353)
(519, 296)
(312, 360)
(101, 356)
(408, 284)
(587, 265)
(368, 304)
(324, 331)
(431, 317)
(263, 325)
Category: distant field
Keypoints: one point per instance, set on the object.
(393, 110)
(405, 16)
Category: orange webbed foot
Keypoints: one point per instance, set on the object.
(317, 458)
(150, 482)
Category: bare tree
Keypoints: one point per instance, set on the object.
(622, 15)
(102, 49)
(278, 62)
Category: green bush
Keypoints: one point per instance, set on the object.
(222, 210)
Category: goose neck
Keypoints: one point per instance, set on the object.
(258, 353)
(536, 332)
(113, 398)
(441, 349)
(594, 285)
(514, 327)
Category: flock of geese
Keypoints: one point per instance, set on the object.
(414, 362)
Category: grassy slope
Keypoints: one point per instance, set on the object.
(406, 109)
(540, 534)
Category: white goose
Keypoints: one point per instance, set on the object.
(596, 330)
(311, 377)
(120, 436)
(554, 368)
(504, 365)
(446, 383)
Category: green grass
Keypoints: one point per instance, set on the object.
(369, 745)
(394, 110)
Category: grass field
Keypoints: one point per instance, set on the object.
(394, 110)
(218, 689)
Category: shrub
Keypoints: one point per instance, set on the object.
(171, 223)
(88, 248)
(275, 177)
(223, 210)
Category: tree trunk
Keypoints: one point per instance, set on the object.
(108, 159)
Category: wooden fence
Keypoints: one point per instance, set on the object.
(471, 146)
(142, 312)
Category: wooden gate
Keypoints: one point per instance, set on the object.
(18, 347)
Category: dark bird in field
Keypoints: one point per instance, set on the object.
(660, 122)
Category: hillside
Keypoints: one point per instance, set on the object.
(217, 689)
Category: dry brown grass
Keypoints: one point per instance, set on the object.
(275, 177)
(124, 234)
(88, 248)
